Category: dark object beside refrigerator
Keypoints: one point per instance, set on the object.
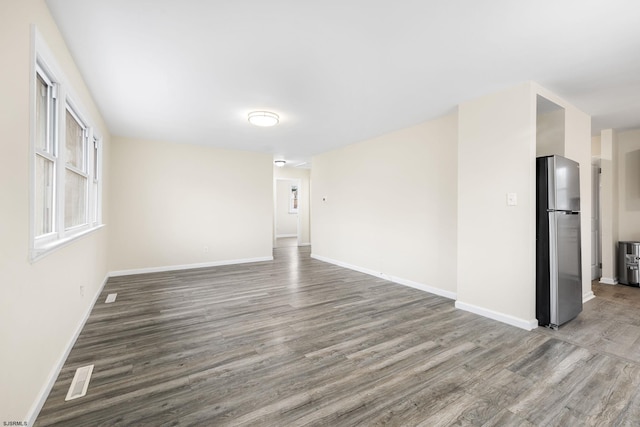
(558, 252)
(628, 262)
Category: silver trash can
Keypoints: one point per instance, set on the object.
(628, 257)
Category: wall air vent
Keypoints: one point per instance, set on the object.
(80, 383)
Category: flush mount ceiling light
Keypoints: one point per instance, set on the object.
(280, 163)
(263, 118)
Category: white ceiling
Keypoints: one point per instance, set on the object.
(341, 71)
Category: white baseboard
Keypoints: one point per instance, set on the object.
(278, 236)
(500, 317)
(588, 296)
(187, 266)
(53, 375)
(345, 265)
(394, 279)
(420, 286)
(608, 280)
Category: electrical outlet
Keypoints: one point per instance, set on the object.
(81, 290)
(206, 249)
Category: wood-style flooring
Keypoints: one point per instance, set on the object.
(285, 242)
(298, 342)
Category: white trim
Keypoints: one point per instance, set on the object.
(304, 244)
(346, 265)
(588, 296)
(394, 279)
(35, 409)
(527, 325)
(608, 281)
(42, 251)
(43, 59)
(298, 234)
(96, 209)
(422, 287)
(187, 266)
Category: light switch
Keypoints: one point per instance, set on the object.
(512, 199)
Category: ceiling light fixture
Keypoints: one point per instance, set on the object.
(263, 118)
(280, 163)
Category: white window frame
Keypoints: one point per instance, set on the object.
(95, 190)
(51, 153)
(83, 170)
(44, 64)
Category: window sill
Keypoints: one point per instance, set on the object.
(43, 250)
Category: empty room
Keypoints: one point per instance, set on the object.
(331, 213)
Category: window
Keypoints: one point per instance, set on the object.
(96, 187)
(76, 175)
(45, 155)
(293, 199)
(66, 161)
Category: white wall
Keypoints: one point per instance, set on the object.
(390, 205)
(550, 133)
(179, 205)
(304, 210)
(578, 148)
(286, 222)
(41, 307)
(595, 148)
(619, 154)
(496, 242)
(629, 185)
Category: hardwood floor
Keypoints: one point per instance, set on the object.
(284, 242)
(300, 342)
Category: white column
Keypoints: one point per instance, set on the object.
(609, 205)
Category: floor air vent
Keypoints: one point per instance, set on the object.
(111, 298)
(80, 382)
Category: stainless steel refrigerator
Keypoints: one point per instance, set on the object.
(558, 253)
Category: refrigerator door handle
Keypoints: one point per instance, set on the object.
(563, 212)
(553, 268)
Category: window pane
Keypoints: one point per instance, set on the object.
(75, 199)
(74, 143)
(96, 205)
(96, 180)
(44, 196)
(42, 101)
(95, 160)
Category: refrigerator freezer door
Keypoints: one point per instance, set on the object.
(566, 267)
(564, 177)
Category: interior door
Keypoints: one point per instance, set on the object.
(596, 272)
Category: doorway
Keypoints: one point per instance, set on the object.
(596, 247)
(287, 212)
